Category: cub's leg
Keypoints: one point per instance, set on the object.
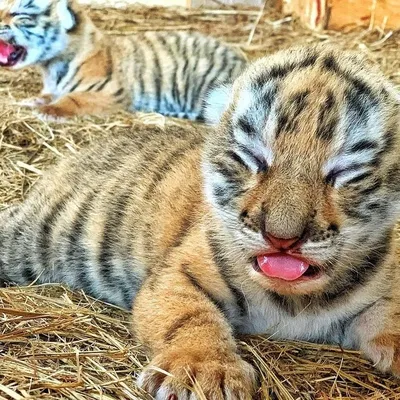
(189, 338)
(79, 103)
(377, 333)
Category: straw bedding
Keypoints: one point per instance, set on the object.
(57, 344)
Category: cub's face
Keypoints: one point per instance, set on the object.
(33, 31)
(303, 170)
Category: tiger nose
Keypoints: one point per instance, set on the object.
(283, 244)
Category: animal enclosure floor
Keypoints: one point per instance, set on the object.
(56, 344)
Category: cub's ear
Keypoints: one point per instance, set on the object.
(216, 103)
(66, 14)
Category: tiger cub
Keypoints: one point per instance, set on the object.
(88, 72)
(278, 221)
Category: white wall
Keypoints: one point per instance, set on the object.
(167, 3)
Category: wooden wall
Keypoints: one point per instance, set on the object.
(338, 14)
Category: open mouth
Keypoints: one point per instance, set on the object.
(286, 267)
(11, 54)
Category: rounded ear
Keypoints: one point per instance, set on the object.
(216, 103)
(66, 14)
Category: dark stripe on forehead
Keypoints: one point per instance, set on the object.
(360, 96)
(282, 70)
(290, 113)
(327, 118)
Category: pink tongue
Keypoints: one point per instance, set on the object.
(282, 266)
(5, 51)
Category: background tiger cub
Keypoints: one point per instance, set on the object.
(88, 72)
(279, 221)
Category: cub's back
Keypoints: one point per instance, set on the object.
(172, 72)
(86, 218)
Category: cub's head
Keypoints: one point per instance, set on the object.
(34, 31)
(303, 170)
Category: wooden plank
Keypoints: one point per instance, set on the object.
(384, 13)
(338, 14)
(312, 13)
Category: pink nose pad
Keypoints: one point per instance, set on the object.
(283, 244)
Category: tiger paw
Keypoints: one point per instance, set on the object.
(34, 102)
(384, 352)
(172, 375)
(52, 113)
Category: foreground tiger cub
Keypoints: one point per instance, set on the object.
(88, 72)
(279, 221)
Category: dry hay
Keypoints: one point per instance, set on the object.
(56, 344)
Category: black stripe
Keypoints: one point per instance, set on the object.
(359, 178)
(157, 73)
(62, 72)
(200, 318)
(44, 244)
(111, 234)
(222, 60)
(184, 230)
(237, 159)
(91, 87)
(77, 258)
(281, 71)
(359, 275)
(105, 82)
(371, 189)
(362, 145)
(230, 175)
(167, 47)
(140, 66)
(224, 268)
(245, 126)
(74, 101)
(195, 282)
(262, 164)
(71, 79)
(119, 92)
(327, 118)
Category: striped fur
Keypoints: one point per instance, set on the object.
(170, 222)
(88, 72)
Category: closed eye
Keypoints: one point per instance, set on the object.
(253, 161)
(22, 16)
(351, 175)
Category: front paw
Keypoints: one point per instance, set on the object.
(34, 102)
(179, 374)
(384, 352)
(51, 113)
